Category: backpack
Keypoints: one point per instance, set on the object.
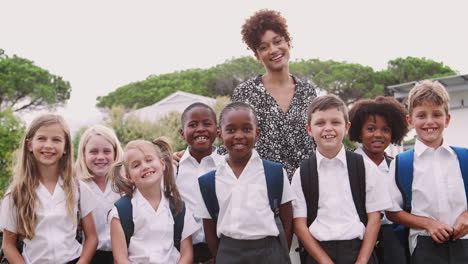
(404, 180)
(274, 181)
(310, 188)
(125, 210)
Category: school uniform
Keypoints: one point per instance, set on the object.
(55, 231)
(246, 224)
(104, 203)
(389, 249)
(152, 241)
(337, 225)
(437, 193)
(186, 178)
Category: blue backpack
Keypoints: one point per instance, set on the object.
(274, 180)
(404, 180)
(125, 210)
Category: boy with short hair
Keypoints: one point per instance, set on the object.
(338, 194)
(427, 187)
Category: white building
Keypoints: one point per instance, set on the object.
(457, 87)
(177, 102)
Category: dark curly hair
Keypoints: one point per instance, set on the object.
(263, 20)
(388, 108)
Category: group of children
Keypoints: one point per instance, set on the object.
(135, 206)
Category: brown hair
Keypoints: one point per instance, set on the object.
(263, 20)
(121, 184)
(428, 91)
(326, 102)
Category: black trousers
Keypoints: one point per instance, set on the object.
(266, 250)
(102, 257)
(428, 251)
(201, 253)
(389, 249)
(342, 252)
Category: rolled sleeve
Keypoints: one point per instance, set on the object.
(299, 204)
(190, 225)
(288, 195)
(87, 199)
(8, 215)
(395, 194)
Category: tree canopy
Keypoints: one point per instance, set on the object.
(24, 85)
(350, 81)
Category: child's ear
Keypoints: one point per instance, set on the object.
(29, 145)
(348, 125)
(309, 130)
(410, 121)
(258, 131)
(447, 120)
(181, 132)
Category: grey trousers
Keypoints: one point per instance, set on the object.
(267, 250)
(342, 252)
(428, 251)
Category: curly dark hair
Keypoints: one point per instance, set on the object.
(388, 108)
(263, 20)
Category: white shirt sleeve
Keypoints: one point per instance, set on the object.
(88, 200)
(190, 226)
(299, 204)
(113, 213)
(395, 194)
(377, 196)
(287, 191)
(8, 215)
(201, 211)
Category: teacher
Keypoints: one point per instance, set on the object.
(280, 99)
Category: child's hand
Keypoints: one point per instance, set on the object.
(460, 229)
(439, 231)
(176, 157)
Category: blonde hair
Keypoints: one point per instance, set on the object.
(82, 171)
(428, 91)
(25, 179)
(121, 184)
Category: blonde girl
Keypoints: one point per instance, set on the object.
(98, 149)
(41, 205)
(148, 178)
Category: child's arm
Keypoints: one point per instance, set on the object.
(370, 237)
(186, 251)
(286, 216)
(91, 239)
(309, 242)
(9, 247)
(119, 245)
(211, 237)
(439, 231)
(460, 229)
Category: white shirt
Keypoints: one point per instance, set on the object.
(244, 208)
(187, 183)
(337, 217)
(153, 239)
(104, 203)
(54, 240)
(383, 169)
(438, 190)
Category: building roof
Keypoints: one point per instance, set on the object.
(452, 83)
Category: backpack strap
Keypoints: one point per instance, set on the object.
(274, 180)
(208, 191)
(462, 154)
(404, 177)
(310, 186)
(388, 161)
(125, 210)
(179, 218)
(357, 180)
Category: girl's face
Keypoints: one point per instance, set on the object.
(375, 134)
(99, 155)
(239, 133)
(273, 51)
(199, 130)
(145, 168)
(48, 145)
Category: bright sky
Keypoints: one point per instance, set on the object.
(101, 45)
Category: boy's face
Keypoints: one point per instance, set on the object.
(429, 120)
(239, 133)
(199, 130)
(328, 128)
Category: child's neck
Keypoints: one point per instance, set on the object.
(329, 153)
(199, 155)
(238, 164)
(152, 195)
(101, 182)
(377, 158)
(48, 176)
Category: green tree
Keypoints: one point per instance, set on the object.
(11, 131)
(24, 85)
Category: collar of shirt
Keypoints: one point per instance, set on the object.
(95, 188)
(421, 148)
(383, 164)
(225, 169)
(188, 157)
(341, 157)
(140, 201)
(58, 190)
